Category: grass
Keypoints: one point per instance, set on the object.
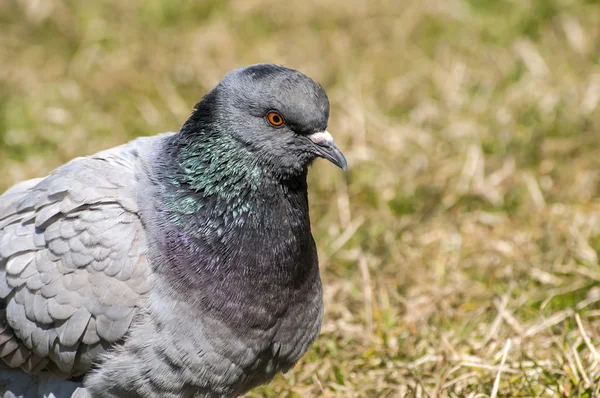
(460, 252)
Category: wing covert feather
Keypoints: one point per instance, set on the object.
(73, 265)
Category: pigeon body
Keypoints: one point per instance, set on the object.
(179, 265)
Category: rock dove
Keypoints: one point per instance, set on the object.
(177, 265)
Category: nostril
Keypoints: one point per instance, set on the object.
(321, 138)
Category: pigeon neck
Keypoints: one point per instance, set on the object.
(222, 205)
(224, 239)
(207, 164)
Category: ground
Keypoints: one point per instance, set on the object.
(460, 251)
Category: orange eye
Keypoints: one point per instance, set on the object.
(275, 119)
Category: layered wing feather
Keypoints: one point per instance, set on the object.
(73, 267)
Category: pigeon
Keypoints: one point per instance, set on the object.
(176, 265)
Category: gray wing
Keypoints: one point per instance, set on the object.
(17, 384)
(73, 265)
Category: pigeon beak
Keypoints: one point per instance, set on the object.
(325, 148)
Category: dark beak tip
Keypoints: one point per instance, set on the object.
(331, 152)
(339, 160)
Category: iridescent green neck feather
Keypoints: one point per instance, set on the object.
(217, 183)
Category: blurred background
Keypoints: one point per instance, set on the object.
(459, 253)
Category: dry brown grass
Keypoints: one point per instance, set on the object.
(460, 253)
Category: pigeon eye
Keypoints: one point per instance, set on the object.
(275, 119)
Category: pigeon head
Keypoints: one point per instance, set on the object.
(276, 116)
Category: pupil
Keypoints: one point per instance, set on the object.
(276, 119)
